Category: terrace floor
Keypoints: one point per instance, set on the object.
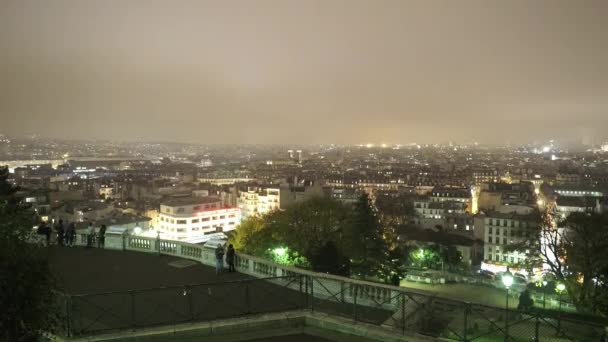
(115, 290)
(79, 271)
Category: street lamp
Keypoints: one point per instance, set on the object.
(544, 292)
(507, 281)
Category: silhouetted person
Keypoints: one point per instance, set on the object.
(525, 301)
(101, 237)
(90, 235)
(219, 259)
(395, 281)
(44, 229)
(230, 256)
(60, 229)
(71, 234)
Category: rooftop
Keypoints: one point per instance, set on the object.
(181, 201)
(568, 201)
(534, 216)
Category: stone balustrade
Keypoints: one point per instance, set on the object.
(322, 286)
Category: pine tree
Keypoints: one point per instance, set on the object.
(366, 242)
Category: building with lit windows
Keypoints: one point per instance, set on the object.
(503, 231)
(564, 206)
(259, 201)
(190, 218)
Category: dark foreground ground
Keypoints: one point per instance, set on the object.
(111, 290)
(81, 271)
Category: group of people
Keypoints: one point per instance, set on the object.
(100, 237)
(219, 259)
(66, 235)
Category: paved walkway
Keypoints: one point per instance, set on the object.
(117, 290)
(79, 271)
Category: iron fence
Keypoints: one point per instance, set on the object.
(406, 313)
(393, 309)
(87, 314)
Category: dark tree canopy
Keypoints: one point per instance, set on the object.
(26, 284)
(367, 247)
(331, 236)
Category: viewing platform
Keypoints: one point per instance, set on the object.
(157, 290)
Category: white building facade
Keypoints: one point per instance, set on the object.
(191, 218)
(501, 232)
(256, 201)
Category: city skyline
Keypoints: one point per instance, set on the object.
(281, 72)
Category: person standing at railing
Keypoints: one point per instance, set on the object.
(45, 230)
(70, 234)
(230, 255)
(101, 237)
(219, 259)
(90, 235)
(60, 229)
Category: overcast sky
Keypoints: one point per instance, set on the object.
(305, 71)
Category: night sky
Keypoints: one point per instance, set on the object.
(305, 71)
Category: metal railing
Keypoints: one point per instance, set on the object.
(87, 314)
(282, 288)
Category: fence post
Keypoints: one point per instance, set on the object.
(536, 329)
(467, 309)
(402, 313)
(247, 302)
(301, 286)
(132, 294)
(306, 289)
(312, 294)
(68, 307)
(355, 302)
(190, 302)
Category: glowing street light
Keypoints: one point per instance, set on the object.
(280, 252)
(507, 281)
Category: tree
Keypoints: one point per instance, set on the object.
(307, 232)
(329, 259)
(26, 283)
(584, 243)
(575, 255)
(308, 226)
(394, 213)
(251, 237)
(451, 256)
(365, 240)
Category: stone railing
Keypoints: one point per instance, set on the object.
(391, 307)
(322, 286)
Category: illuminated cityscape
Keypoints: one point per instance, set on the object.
(304, 171)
